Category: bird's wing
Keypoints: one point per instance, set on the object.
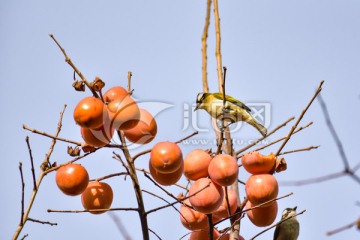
(232, 100)
(276, 232)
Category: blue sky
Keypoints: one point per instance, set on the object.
(276, 52)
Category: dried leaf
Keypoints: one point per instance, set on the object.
(358, 224)
(74, 152)
(97, 84)
(280, 165)
(79, 86)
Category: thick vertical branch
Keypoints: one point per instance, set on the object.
(204, 47)
(137, 188)
(228, 148)
(218, 44)
(211, 226)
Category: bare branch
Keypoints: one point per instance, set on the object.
(187, 137)
(177, 142)
(299, 150)
(158, 185)
(176, 184)
(333, 132)
(130, 91)
(22, 194)
(51, 149)
(204, 47)
(343, 228)
(299, 119)
(280, 139)
(218, 43)
(153, 232)
(42, 222)
(71, 161)
(109, 176)
(51, 136)
(120, 226)
(32, 162)
(25, 236)
(162, 207)
(46, 165)
(94, 210)
(267, 135)
(68, 60)
(257, 206)
(313, 180)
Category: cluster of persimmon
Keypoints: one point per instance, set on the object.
(260, 187)
(211, 176)
(98, 119)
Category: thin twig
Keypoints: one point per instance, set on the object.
(22, 194)
(343, 228)
(313, 180)
(68, 60)
(120, 226)
(158, 185)
(71, 161)
(51, 149)
(177, 142)
(257, 206)
(32, 162)
(299, 119)
(280, 139)
(353, 176)
(333, 132)
(176, 184)
(25, 236)
(169, 204)
(94, 210)
(109, 176)
(153, 232)
(51, 136)
(130, 91)
(278, 223)
(267, 135)
(42, 222)
(299, 150)
(187, 137)
(356, 167)
(204, 47)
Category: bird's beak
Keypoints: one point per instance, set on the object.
(197, 107)
(295, 208)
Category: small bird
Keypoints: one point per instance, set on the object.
(234, 110)
(289, 229)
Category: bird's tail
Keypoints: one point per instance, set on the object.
(259, 127)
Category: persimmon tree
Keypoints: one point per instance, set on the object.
(211, 195)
